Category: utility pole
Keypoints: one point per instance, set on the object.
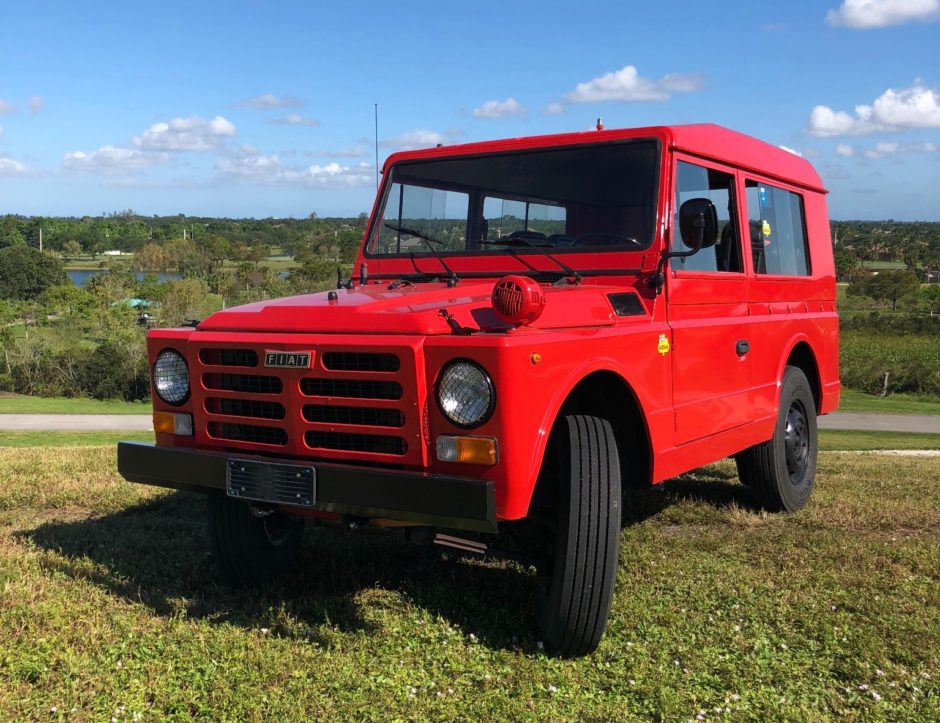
(40, 239)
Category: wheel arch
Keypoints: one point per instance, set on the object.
(801, 355)
(602, 392)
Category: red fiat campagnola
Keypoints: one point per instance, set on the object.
(531, 325)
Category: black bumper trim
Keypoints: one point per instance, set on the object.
(460, 503)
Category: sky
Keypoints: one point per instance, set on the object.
(267, 109)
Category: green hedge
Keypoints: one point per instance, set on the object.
(912, 361)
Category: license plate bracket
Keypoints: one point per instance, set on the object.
(271, 482)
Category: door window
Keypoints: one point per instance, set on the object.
(777, 230)
(693, 181)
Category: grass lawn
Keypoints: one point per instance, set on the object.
(20, 404)
(852, 441)
(70, 439)
(852, 401)
(109, 606)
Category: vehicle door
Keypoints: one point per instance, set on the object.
(707, 311)
(781, 290)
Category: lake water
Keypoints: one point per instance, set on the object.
(80, 277)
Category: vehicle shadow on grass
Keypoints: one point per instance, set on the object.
(713, 487)
(157, 554)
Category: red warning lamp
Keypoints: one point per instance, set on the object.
(518, 300)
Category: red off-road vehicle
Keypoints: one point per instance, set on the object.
(531, 325)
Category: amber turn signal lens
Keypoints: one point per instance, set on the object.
(173, 423)
(469, 450)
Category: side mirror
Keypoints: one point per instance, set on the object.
(698, 223)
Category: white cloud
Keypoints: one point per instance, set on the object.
(109, 160)
(915, 107)
(864, 14)
(9, 167)
(186, 134)
(6, 107)
(419, 138)
(249, 166)
(499, 108)
(295, 119)
(356, 152)
(628, 85)
(882, 149)
(791, 150)
(554, 109)
(269, 101)
(894, 110)
(890, 149)
(36, 103)
(1, 131)
(845, 150)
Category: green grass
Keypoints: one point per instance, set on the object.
(70, 439)
(21, 404)
(109, 606)
(852, 441)
(829, 440)
(854, 401)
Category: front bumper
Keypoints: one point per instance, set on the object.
(460, 503)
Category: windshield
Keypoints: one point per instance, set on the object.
(574, 198)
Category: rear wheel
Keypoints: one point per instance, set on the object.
(782, 471)
(574, 601)
(251, 546)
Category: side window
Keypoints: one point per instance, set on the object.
(777, 230)
(699, 182)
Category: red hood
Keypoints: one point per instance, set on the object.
(409, 310)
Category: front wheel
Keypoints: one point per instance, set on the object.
(782, 471)
(251, 546)
(575, 602)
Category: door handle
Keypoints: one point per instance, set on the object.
(742, 347)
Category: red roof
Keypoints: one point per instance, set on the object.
(704, 139)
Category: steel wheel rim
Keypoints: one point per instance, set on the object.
(796, 443)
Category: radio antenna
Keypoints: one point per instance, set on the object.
(376, 146)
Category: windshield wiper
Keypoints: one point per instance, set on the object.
(428, 240)
(414, 232)
(523, 241)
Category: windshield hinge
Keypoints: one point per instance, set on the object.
(454, 325)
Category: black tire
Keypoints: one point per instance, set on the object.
(782, 470)
(250, 549)
(574, 602)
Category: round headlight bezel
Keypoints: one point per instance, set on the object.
(174, 400)
(442, 378)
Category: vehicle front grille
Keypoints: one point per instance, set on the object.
(245, 408)
(352, 404)
(355, 442)
(245, 383)
(363, 416)
(248, 433)
(350, 388)
(228, 357)
(360, 362)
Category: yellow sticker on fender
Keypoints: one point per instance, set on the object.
(663, 347)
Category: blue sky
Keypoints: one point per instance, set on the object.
(266, 109)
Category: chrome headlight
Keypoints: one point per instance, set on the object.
(171, 377)
(465, 393)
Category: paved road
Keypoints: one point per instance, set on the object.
(143, 423)
(76, 422)
(881, 422)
